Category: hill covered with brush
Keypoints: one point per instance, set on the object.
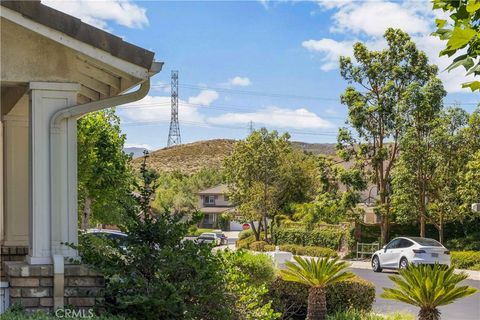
(191, 157)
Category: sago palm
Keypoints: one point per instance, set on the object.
(428, 287)
(316, 273)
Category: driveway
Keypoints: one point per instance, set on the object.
(463, 309)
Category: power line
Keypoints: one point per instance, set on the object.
(281, 95)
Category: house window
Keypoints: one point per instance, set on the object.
(209, 200)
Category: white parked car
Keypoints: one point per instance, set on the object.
(402, 251)
(210, 238)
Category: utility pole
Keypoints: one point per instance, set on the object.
(250, 127)
(174, 132)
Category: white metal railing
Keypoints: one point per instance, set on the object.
(366, 248)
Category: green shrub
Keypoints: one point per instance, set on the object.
(245, 234)
(470, 242)
(465, 259)
(224, 221)
(295, 249)
(258, 267)
(323, 237)
(257, 245)
(245, 242)
(291, 299)
(353, 314)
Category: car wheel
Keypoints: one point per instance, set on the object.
(403, 263)
(376, 264)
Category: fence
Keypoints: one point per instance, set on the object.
(366, 248)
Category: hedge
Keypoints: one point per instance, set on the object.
(324, 237)
(245, 234)
(291, 298)
(466, 259)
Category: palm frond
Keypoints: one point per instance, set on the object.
(427, 286)
(316, 271)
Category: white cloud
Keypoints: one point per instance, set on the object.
(99, 12)
(276, 117)
(368, 20)
(157, 109)
(204, 98)
(239, 81)
(374, 17)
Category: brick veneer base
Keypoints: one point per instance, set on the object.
(32, 286)
(11, 254)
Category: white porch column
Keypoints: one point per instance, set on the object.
(53, 207)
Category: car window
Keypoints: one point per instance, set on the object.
(427, 242)
(393, 244)
(404, 243)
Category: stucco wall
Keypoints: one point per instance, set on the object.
(27, 56)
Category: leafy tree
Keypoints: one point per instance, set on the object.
(177, 191)
(374, 112)
(337, 195)
(451, 153)
(104, 172)
(264, 174)
(154, 274)
(469, 184)
(416, 165)
(428, 287)
(317, 274)
(464, 32)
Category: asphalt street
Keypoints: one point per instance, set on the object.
(463, 309)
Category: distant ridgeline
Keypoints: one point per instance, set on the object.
(194, 156)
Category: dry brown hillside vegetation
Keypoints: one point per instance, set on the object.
(192, 157)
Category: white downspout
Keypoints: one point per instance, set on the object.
(56, 152)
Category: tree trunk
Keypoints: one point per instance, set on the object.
(384, 228)
(255, 232)
(422, 226)
(429, 314)
(86, 212)
(265, 223)
(440, 230)
(317, 304)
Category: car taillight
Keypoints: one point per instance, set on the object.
(446, 252)
(416, 251)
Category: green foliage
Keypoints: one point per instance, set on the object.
(412, 174)
(224, 221)
(245, 242)
(265, 174)
(158, 273)
(353, 314)
(291, 298)
(104, 173)
(312, 251)
(245, 234)
(332, 204)
(465, 259)
(247, 288)
(315, 272)
(258, 245)
(470, 242)
(177, 191)
(321, 237)
(428, 287)
(376, 113)
(258, 267)
(193, 231)
(464, 32)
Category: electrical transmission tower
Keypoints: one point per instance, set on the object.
(174, 132)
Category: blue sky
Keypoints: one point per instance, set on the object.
(272, 63)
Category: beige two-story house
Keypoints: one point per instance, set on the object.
(214, 202)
